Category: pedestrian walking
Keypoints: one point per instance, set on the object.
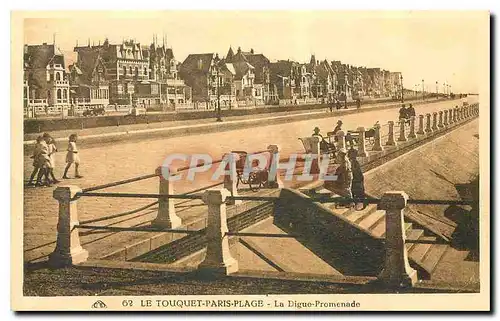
(343, 184)
(72, 157)
(52, 149)
(358, 180)
(43, 161)
(36, 164)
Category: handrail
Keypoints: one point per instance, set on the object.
(321, 199)
(125, 181)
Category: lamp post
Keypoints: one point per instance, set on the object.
(437, 90)
(423, 90)
(402, 94)
(217, 69)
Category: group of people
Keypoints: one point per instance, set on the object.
(325, 144)
(350, 181)
(406, 112)
(44, 160)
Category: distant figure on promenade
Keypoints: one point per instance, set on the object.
(72, 157)
(330, 105)
(323, 144)
(358, 180)
(358, 103)
(411, 111)
(337, 104)
(343, 184)
(403, 113)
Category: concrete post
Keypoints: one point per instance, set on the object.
(397, 271)
(434, 121)
(377, 145)
(361, 142)
(420, 125)
(231, 179)
(412, 128)
(428, 123)
(455, 115)
(273, 179)
(402, 131)
(340, 139)
(450, 112)
(68, 250)
(390, 138)
(218, 259)
(440, 124)
(445, 121)
(166, 217)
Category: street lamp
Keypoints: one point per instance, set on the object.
(217, 68)
(437, 90)
(402, 94)
(423, 93)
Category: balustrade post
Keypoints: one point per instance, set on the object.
(420, 125)
(68, 249)
(273, 179)
(231, 178)
(450, 112)
(434, 121)
(377, 146)
(390, 138)
(440, 124)
(397, 271)
(428, 128)
(412, 128)
(402, 131)
(166, 216)
(218, 259)
(361, 142)
(445, 121)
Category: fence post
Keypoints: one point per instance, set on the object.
(218, 259)
(412, 128)
(390, 138)
(362, 142)
(273, 179)
(428, 123)
(440, 123)
(402, 131)
(231, 179)
(397, 271)
(450, 113)
(420, 125)
(377, 145)
(166, 217)
(68, 249)
(340, 139)
(434, 121)
(445, 121)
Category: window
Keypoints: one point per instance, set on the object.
(51, 77)
(130, 70)
(65, 94)
(145, 72)
(59, 94)
(124, 70)
(200, 64)
(58, 76)
(136, 71)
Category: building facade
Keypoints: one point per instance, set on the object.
(46, 85)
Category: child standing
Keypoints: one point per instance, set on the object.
(72, 157)
(43, 161)
(36, 163)
(52, 149)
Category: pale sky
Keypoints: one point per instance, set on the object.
(434, 46)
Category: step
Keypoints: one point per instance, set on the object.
(418, 252)
(372, 219)
(433, 256)
(356, 216)
(413, 234)
(379, 229)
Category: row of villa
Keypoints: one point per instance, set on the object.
(130, 74)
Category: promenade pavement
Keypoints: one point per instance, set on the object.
(104, 164)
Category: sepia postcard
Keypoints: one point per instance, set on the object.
(250, 161)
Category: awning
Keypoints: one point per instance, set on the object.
(72, 91)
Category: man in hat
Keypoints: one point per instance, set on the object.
(343, 184)
(410, 111)
(323, 144)
(338, 127)
(358, 181)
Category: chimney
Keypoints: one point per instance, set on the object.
(251, 51)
